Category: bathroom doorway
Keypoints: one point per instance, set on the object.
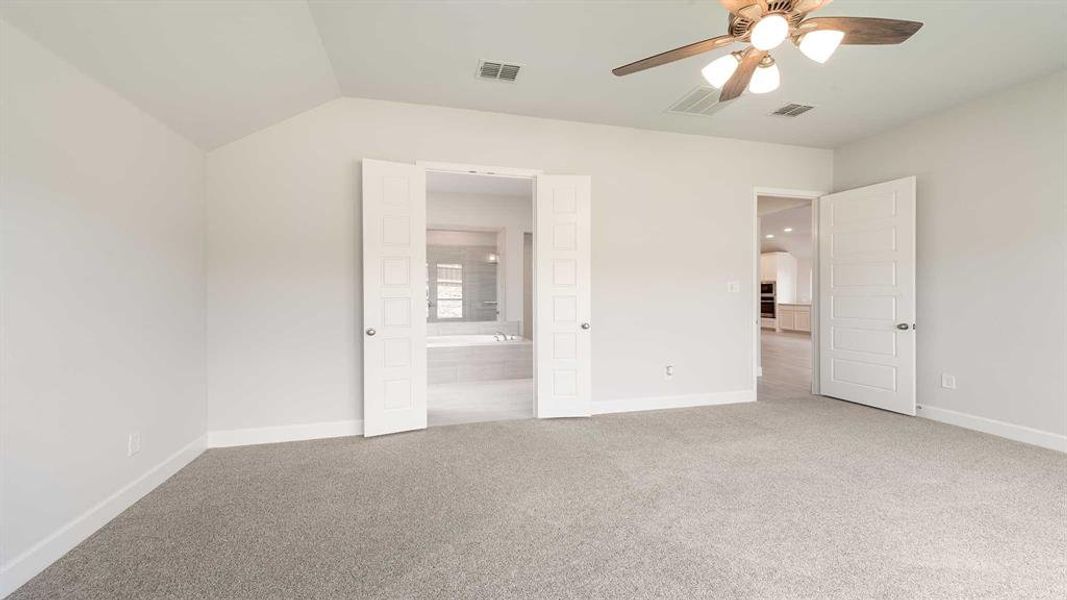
(396, 296)
(479, 337)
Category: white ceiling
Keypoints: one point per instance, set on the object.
(213, 71)
(797, 242)
(216, 71)
(462, 183)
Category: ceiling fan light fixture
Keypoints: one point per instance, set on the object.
(719, 71)
(769, 32)
(767, 78)
(820, 45)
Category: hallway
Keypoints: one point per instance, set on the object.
(786, 361)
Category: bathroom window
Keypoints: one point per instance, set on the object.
(449, 291)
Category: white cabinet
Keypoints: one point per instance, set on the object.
(794, 317)
(786, 318)
(781, 268)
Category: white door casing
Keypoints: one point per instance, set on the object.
(867, 295)
(562, 321)
(394, 297)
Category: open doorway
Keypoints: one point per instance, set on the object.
(396, 296)
(787, 270)
(479, 342)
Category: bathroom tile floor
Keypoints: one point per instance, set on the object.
(478, 401)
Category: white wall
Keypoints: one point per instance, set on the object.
(672, 217)
(511, 214)
(102, 283)
(991, 259)
(804, 270)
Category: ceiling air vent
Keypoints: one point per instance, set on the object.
(498, 71)
(792, 110)
(702, 100)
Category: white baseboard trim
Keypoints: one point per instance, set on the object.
(662, 402)
(25, 566)
(1019, 433)
(284, 433)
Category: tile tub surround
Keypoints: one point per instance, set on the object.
(480, 362)
(439, 328)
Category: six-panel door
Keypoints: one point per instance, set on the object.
(563, 326)
(394, 297)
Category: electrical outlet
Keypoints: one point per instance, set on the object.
(668, 371)
(133, 444)
(733, 287)
(948, 381)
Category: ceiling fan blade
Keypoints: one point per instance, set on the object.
(673, 55)
(864, 30)
(737, 84)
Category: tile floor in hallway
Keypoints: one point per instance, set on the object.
(786, 362)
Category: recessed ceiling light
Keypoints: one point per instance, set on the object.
(788, 229)
(769, 236)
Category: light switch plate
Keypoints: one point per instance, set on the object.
(733, 287)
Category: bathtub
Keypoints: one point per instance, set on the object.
(477, 339)
(473, 353)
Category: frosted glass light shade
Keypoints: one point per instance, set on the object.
(765, 79)
(769, 32)
(820, 45)
(720, 70)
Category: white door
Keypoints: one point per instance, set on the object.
(867, 295)
(562, 325)
(394, 297)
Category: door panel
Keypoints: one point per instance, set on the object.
(394, 297)
(867, 295)
(562, 271)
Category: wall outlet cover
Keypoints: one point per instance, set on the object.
(733, 287)
(133, 444)
(948, 381)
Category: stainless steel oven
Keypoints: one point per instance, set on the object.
(766, 309)
(767, 299)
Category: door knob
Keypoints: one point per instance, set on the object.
(371, 332)
(585, 325)
(902, 326)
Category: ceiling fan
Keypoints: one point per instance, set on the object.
(765, 24)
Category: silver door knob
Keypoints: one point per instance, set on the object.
(902, 326)
(371, 332)
(585, 325)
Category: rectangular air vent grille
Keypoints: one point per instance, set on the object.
(702, 100)
(498, 71)
(792, 110)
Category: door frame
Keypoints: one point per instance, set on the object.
(813, 197)
(514, 173)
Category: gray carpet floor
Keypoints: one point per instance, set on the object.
(793, 497)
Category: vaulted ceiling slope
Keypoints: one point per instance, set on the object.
(217, 71)
(213, 71)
